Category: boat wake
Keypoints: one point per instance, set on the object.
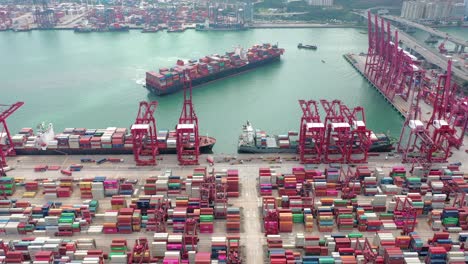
(140, 81)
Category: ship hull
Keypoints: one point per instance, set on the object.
(212, 77)
(253, 150)
(207, 149)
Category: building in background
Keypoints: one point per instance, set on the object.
(321, 2)
(466, 8)
(433, 9)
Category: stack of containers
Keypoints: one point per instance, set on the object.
(136, 221)
(379, 203)
(118, 252)
(124, 220)
(206, 220)
(50, 190)
(295, 204)
(345, 219)
(111, 187)
(106, 138)
(266, 187)
(218, 248)
(436, 255)
(85, 189)
(174, 242)
(118, 138)
(171, 140)
(233, 183)
(417, 202)
(162, 184)
(97, 190)
(7, 186)
(285, 220)
(159, 244)
(62, 141)
(174, 186)
(150, 187)
(96, 141)
(384, 240)
(308, 220)
(74, 141)
(325, 219)
(283, 141)
(450, 216)
(233, 220)
(394, 255)
(203, 258)
(31, 142)
(413, 184)
(332, 174)
(289, 185)
(162, 138)
(126, 189)
(179, 217)
(110, 222)
(18, 141)
(370, 186)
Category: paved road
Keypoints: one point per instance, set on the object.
(430, 30)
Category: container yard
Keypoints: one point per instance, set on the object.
(86, 18)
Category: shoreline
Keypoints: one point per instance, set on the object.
(253, 26)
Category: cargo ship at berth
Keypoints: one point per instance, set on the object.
(211, 68)
(82, 141)
(207, 26)
(257, 141)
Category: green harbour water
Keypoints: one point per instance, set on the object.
(95, 80)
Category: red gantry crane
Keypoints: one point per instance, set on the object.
(348, 183)
(405, 215)
(6, 144)
(270, 216)
(144, 135)
(416, 144)
(188, 141)
(190, 237)
(140, 252)
(312, 133)
(338, 141)
(459, 119)
(360, 135)
(442, 132)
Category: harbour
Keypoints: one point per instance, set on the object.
(331, 202)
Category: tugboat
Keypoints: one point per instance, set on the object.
(312, 47)
(175, 29)
(22, 28)
(84, 29)
(151, 29)
(116, 27)
(431, 40)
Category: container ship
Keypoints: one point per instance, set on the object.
(82, 141)
(221, 27)
(257, 141)
(211, 68)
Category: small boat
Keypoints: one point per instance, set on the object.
(431, 40)
(175, 29)
(312, 47)
(323, 61)
(151, 29)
